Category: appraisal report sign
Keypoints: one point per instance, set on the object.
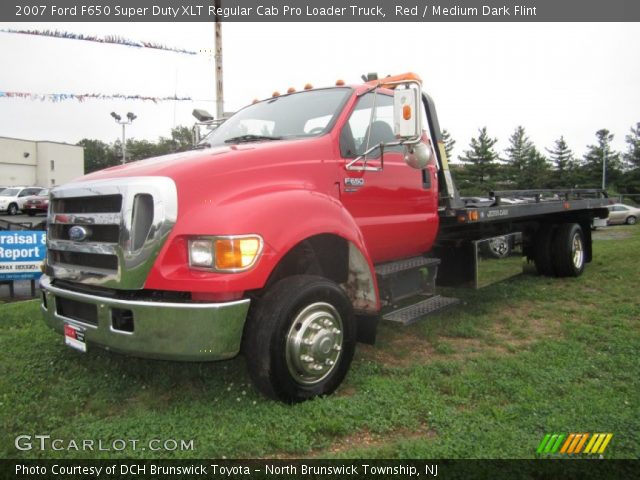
(22, 254)
(321, 11)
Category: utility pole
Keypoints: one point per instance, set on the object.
(604, 167)
(218, 57)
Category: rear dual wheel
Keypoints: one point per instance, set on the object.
(560, 250)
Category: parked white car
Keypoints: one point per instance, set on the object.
(619, 214)
(12, 199)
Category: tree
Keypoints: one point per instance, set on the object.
(519, 153)
(481, 159)
(181, 140)
(632, 155)
(631, 181)
(536, 172)
(593, 161)
(449, 143)
(97, 155)
(564, 165)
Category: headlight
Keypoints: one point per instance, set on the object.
(226, 253)
(201, 253)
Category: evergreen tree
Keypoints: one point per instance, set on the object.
(593, 160)
(631, 181)
(519, 153)
(632, 155)
(564, 165)
(481, 160)
(536, 172)
(449, 143)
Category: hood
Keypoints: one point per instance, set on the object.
(229, 168)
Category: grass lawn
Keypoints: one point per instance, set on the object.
(487, 379)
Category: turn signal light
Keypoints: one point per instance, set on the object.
(225, 254)
(234, 254)
(406, 112)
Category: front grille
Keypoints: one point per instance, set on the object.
(98, 233)
(93, 204)
(90, 260)
(83, 312)
(123, 224)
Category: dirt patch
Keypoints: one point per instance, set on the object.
(514, 328)
(611, 233)
(365, 439)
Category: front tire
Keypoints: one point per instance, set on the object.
(631, 220)
(300, 338)
(568, 252)
(13, 209)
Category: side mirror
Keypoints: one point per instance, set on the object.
(406, 114)
(418, 155)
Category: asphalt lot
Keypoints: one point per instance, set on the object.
(39, 217)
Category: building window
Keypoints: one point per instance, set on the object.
(53, 165)
(53, 182)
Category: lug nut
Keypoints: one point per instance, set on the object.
(337, 348)
(307, 358)
(329, 362)
(336, 331)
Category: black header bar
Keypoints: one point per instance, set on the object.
(320, 11)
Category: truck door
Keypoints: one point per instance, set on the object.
(396, 208)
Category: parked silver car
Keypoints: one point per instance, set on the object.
(620, 214)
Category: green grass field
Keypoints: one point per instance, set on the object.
(487, 379)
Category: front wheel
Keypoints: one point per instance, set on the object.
(300, 338)
(13, 209)
(631, 220)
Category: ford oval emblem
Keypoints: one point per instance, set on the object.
(78, 233)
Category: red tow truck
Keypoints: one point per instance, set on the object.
(296, 226)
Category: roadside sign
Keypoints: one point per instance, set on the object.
(22, 254)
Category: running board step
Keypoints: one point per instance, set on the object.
(406, 278)
(391, 268)
(413, 313)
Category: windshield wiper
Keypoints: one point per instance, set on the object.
(250, 138)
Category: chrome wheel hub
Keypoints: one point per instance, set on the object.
(578, 251)
(314, 343)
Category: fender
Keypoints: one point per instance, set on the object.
(283, 217)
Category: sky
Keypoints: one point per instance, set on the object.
(554, 79)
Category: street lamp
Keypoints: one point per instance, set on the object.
(130, 118)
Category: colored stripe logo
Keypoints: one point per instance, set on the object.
(574, 443)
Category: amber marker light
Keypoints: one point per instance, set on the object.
(308, 86)
(291, 90)
(339, 83)
(234, 254)
(406, 112)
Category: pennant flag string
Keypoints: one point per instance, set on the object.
(111, 39)
(59, 97)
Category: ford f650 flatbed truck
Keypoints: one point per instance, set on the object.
(296, 225)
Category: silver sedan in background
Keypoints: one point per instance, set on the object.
(620, 214)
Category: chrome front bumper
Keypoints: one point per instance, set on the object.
(161, 330)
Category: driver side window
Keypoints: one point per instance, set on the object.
(371, 123)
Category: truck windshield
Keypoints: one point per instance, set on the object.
(297, 115)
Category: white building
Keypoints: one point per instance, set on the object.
(38, 163)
